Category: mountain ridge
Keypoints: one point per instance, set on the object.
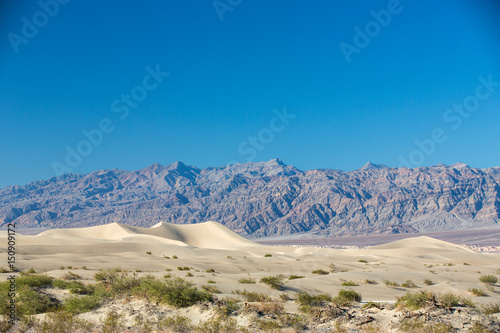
(267, 198)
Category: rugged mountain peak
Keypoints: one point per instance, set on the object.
(372, 166)
(459, 165)
(154, 167)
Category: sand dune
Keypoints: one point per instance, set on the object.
(209, 235)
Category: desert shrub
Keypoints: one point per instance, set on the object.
(409, 284)
(182, 293)
(268, 255)
(284, 297)
(247, 280)
(362, 260)
(29, 302)
(34, 280)
(210, 289)
(177, 324)
(211, 270)
(275, 282)
(428, 282)
(491, 308)
(189, 274)
(488, 279)
(216, 325)
(294, 277)
(267, 325)
(80, 304)
(175, 257)
(320, 272)
(228, 307)
(185, 268)
(112, 323)
(307, 301)
(449, 264)
(211, 281)
(350, 284)
(477, 292)
(449, 300)
(418, 325)
(253, 296)
(392, 284)
(62, 322)
(71, 276)
(347, 296)
(414, 301)
(370, 281)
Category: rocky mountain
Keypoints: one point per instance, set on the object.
(264, 198)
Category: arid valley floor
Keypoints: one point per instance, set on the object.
(231, 267)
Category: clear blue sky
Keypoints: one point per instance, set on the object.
(227, 76)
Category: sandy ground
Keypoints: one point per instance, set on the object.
(210, 245)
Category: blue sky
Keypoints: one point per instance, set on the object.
(229, 79)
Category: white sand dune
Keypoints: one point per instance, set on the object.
(207, 235)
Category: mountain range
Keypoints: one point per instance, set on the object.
(259, 199)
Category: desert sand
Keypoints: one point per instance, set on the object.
(210, 245)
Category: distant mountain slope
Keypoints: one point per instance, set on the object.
(264, 198)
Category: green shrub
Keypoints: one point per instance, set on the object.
(415, 301)
(228, 307)
(347, 296)
(275, 282)
(320, 272)
(175, 257)
(182, 293)
(253, 296)
(149, 252)
(189, 274)
(71, 276)
(477, 292)
(210, 289)
(80, 304)
(246, 280)
(211, 270)
(428, 282)
(409, 284)
(392, 284)
(294, 277)
(362, 260)
(307, 301)
(29, 302)
(219, 325)
(349, 284)
(34, 280)
(112, 323)
(211, 281)
(488, 279)
(185, 268)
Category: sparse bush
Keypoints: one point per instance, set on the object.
(268, 255)
(112, 323)
(148, 252)
(229, 306)
(210, 289)
(488, 279)
(491, 308)
(178, 324)
(477, 292)
(275, 282)
(211, 281)
(294, 277)
(71, 276)
(29, 302)
(185, 268)
(253, 296)
(392, 284)
(175, 257)
(211, 270)
(189, 274)
(182, 293)
(320, 272)
(308, 302)
(428, 282)
(218, 325)
(418, 325)
(363, 261)
(409, 284)
(246, 280)
(347, 296)
(285, 297)
(62, 322)
(370, 282)
(349, 284)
